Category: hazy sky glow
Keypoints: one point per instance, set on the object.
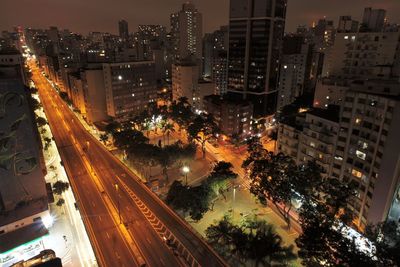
(102, 15)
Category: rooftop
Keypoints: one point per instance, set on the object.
(18, 237)
(22, 185)
(331, 113)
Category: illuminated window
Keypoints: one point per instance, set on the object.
(338, 158)
(358, 121)
(360, 155)
(356, 173)
(312, 144)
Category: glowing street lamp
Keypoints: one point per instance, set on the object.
(186, 170)
(48, 221)
(118, 205)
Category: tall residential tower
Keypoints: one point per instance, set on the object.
(256, 30)
(187, 32)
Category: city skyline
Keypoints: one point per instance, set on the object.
(73, 14)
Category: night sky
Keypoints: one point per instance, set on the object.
(102, 15)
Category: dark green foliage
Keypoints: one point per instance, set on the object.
(59, 187)
(193, 200)
(386, 238)
(40, 121)
(197, 200)
(104, 138)
(202, 129)
(254, 240)
(113, 127)
(181, 112)
(60, 202)
(323, 220)
(129, 138)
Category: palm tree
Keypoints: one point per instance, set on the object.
(168, 128)
(104, 138)
(219, 235)
(265, 247)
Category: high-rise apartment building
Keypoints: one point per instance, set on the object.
(295, 69)
(219, 66)
(187, 32)
(256, 30)
(311, 136)
(373, 19)
(357, 145)
(213, 44)
(129, 87)
(94, 94)
(364, 55)
(367, 151)
(123, 30)
(347, 24)
(324, 34)
(232, 114)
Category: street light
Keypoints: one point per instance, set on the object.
(88, 153)
(118, 205)
(186, 170)
(233, 202)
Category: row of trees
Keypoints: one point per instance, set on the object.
(324, 214)
(252, 240)
(197, 200)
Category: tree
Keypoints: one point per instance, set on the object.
(202, 129)
(167, 156)
(104, 138)
(271, 178)
(167, 129)
(128, 137)
(192, 200)
(59, 187)
(181, 112)
(256, 151)
(60, 202)
(218, 179)
(260, 243)
(386, 238)
(196, 200)
(265, 247)
(113, 127)
(145, 154)
(219, 235)
(40, 121)
(324, 238)
(47, 142)
(35, 103)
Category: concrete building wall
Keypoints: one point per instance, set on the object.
(130, 86)
(94, 95)
(185, 80)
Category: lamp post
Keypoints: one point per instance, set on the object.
(233, 201)
(118, 205)
(88, 153)
(186, 170)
